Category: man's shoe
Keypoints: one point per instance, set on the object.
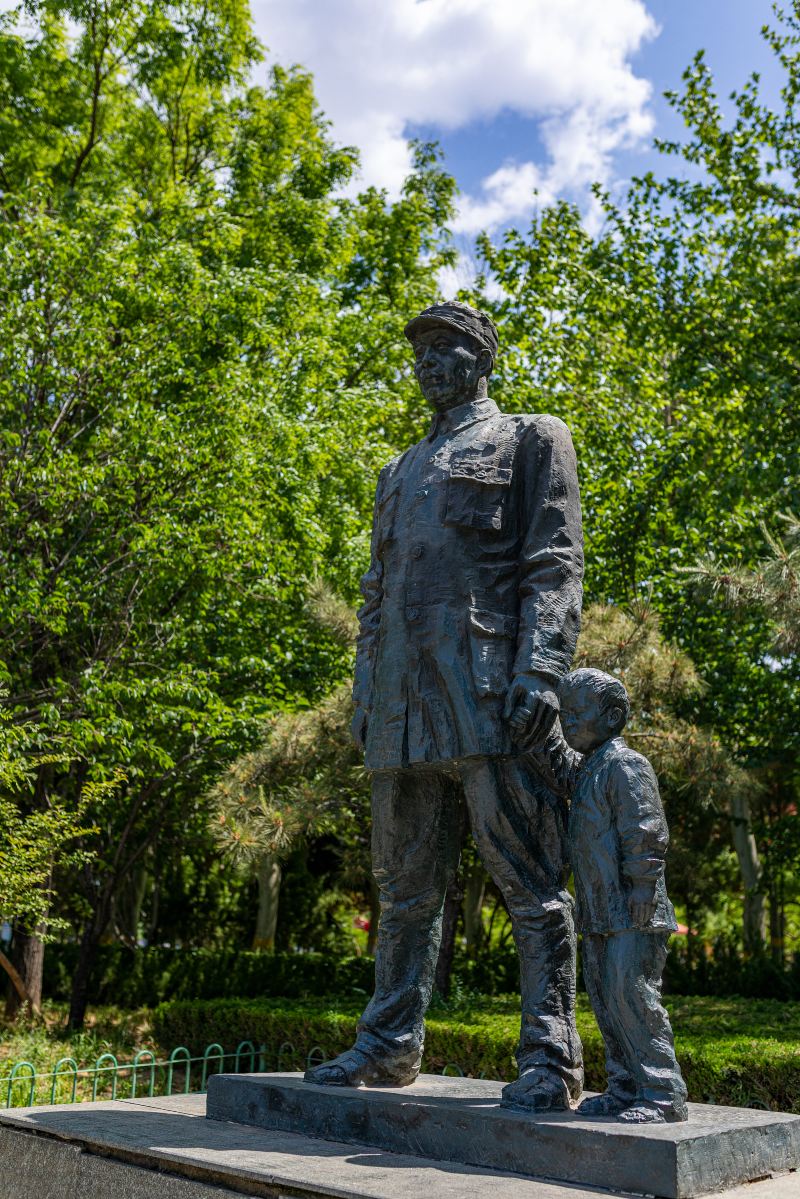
(603, 1105)
(537, 1091)
(354, 1068)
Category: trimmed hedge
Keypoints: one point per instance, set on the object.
(145, 977)
(746, 1054)
(133, 978)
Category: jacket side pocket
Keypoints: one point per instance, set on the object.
(493, 640)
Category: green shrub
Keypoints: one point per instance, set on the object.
(723, 1057)
(133, 978)
(144, 977)
(723, 971)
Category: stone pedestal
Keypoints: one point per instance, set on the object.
(141, 1148)
(460, 1120)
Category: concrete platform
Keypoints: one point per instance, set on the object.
(165, 1149)
(460, 1120)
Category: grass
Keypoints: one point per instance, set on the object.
(46, 1042)
(692, 1016)
(108, 1030)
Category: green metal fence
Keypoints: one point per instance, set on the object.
(179, 1074)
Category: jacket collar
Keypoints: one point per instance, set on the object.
(456, 419)
(603, 751)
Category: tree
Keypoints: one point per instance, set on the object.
(770, 586)
(194, 327)
(305, 779)
(667, 341)
(32, 846)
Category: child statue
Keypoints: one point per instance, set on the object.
(618, 839)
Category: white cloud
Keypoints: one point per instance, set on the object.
(382, 65)
(506, 195)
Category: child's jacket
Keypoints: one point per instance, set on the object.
(617, 830)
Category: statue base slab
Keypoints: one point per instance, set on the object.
(138, 1148)
(460, 1120)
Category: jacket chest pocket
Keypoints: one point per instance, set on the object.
(477, 494)
(387, 516)
(492, 643)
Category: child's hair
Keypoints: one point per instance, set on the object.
(609, 690)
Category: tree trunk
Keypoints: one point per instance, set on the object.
(444, 964)
(18, 986)
(155, 898)
(269, 886)
(777, 932)
(127, 906)
(754, 911)
(474, 891)
(79, 997)
(374, 916)
(28, 958)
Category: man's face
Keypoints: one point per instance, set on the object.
(583, 722)
(446, 366)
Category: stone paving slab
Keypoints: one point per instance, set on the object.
(460, 1120)
(165, 1149)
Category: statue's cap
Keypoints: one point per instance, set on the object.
(458, 316)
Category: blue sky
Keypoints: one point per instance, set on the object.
(523, 95)
(728, 30)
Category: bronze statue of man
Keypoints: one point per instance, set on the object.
(471, 614)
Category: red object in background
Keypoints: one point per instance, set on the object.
(361, 922)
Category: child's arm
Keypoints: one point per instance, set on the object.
(643, 834)
(556, 763)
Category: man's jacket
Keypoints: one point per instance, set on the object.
(475, 577)
(618, 833)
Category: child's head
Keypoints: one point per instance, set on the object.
(594, 707)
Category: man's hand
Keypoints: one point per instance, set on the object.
(642, 905)
(531, 708)
(358, 728)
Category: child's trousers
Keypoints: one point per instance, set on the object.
(622, 972)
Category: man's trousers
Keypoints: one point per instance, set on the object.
(622, 972)
(520, 831)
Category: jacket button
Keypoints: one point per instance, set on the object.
(412, 613)
(418, 551)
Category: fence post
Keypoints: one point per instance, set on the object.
(105, 1057)
(244, 1047)
(208, 1056)
(72, 1069)
(16, 1074)
(135, 1067)
(180, 1054)
(286, 1045)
